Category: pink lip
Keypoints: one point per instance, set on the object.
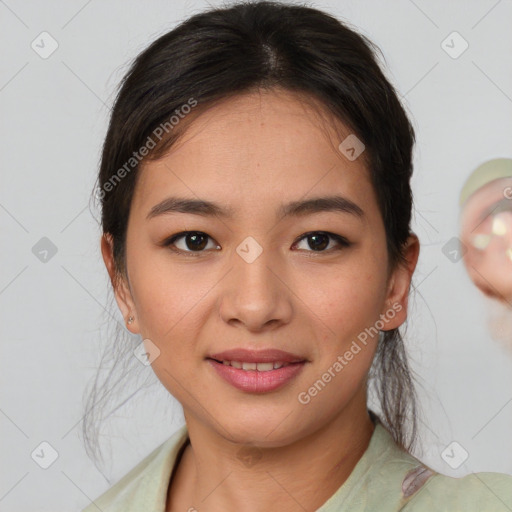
(254, 381)
(257, 356)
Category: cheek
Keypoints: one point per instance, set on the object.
(346, 305)
(347, 299)
(171, 309)
(167, 301)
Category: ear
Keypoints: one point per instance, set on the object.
(120, 283)
(399, 283)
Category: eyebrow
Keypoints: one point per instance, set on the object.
(204, 208)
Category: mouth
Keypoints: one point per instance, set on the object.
(259, 367)
(256, 371)
(242, 356)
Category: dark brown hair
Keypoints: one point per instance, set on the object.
(252, 46)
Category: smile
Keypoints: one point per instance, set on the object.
(260, 367)
(255, 377)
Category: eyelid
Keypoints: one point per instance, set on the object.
(169, 241)
(342, 241)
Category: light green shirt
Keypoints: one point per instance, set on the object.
(385, 479)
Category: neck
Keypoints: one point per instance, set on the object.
(300, 475)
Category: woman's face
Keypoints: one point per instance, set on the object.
(252, 279)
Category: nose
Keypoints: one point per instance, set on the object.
(255, 295)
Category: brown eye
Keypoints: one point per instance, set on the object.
(318, 241)
(191, 241)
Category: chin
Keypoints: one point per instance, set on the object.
(266, 431)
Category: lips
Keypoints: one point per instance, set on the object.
(256, 371)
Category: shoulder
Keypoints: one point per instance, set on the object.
(145, 486)
(388, 479)
(420, 488)
(474, 492)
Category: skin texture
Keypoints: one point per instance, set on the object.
(253, 153)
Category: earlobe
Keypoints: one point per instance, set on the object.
(399, 284)
(119, 283)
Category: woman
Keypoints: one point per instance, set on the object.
(256, 212)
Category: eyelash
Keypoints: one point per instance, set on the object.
(168, 242)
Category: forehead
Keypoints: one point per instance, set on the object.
(266, 125)
(257, 148)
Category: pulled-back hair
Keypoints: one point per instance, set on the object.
(245, 47)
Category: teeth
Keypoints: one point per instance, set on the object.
(260, 367)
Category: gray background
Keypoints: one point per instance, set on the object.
(54, 116)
